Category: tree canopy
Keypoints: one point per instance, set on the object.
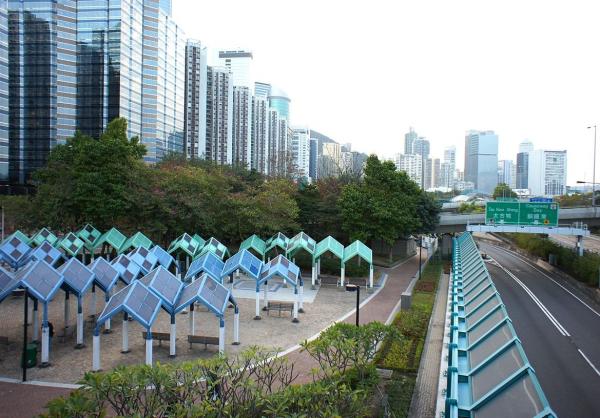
(503, 190)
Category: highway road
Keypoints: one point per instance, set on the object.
(559, 328)
(591, 243)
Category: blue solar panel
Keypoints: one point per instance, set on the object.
(164, 258)
(15, 251)
(207, 263)
(47, 253)
(105, 274)
(143, 303)
(245, 261)
(214, 293)
(189, 294)
(42, 281)
(144, 258)
(7, 284)
(282, 267)
(128, 270)
(114, 303)
(78, 278)
(164, 285)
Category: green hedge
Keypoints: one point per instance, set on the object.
(583, 269)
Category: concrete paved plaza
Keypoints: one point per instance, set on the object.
(322, 306)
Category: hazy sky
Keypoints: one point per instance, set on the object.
(365, 71)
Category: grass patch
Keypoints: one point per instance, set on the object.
(399, 391)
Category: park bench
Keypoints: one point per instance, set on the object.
(160, 336)
(280, 306)
(202, 339)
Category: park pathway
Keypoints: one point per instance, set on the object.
(19, 400)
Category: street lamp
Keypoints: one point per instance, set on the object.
(355, 288)
(594, 169)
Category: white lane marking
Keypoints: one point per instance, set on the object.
(520, 257)
(542, 307)
(589, 362)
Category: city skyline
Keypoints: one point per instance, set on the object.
(533, 82)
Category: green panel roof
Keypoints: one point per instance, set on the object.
(185, 243)
(254, 242)
(71, 244)
(136, 240)
(277, 240)
(113, 237)
(89, 235)
(19, 235)
(214, 246)
(360, 249)
(43, 235)
(301, 241)
(201, 241)
(332, 245)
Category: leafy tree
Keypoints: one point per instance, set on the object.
(503, 190)
(386, 205)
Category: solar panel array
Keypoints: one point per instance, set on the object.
(89, 235)
(72, 244)
(41, 280)
(136, 240)
(214, 246)
(277, 240)
(143, 302)
(281, 267)
(245, 261)
(15, 251)
(8, 283)
(301, 240)
(164, 285)
(112, 237)
(164, 258)
(115, 302)
(77, 276)
(189, 294)
(185, 243)
(214, 293)
(106, 275)
(45, 251)
(128, 270)
(144, 258)
(207, 263)
(43, 235)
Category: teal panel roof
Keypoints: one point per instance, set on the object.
(19, 235)
(214, 246)
(89, 235)
(332, 245)
(185, 243)
(135, 241)
(43, 235)
(255, 243)
(201, 241)
(71, 244)
(277, 240)
(357, 248)
(301, 241)
(112, 237)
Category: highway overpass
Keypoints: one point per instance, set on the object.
(456, 222)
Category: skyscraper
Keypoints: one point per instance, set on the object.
(314, 157)
(78, 64)
(412, 165)
(4, 82)
(301, 152)
(262, 89)
(219, 115)
(409, 138)
(481, 160)
(547, 172)
(279, 100)
(195, 99)
(505, 171)
(421, 147)
(448, 168)
(522, 169)
(242, 126)
(239, 64)
(260, 134)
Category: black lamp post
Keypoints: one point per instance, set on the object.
(355, 288)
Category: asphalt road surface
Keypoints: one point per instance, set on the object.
(559, 328)
(591, 243)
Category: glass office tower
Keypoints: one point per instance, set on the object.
(78, 64)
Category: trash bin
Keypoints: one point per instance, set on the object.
(31, 355)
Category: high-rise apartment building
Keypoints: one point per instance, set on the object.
(262, 89)
(242, 126)
(4, 91)
(195, 99)
(272, 142)
(522, 169)
(412, 165)
(314, 158)
(421, 147)
(240, 65)
(219, 115)
(330, 161)
(481, 160)
(301, 152)
(547, 172)
(505, 172)
(435, 172)
(260, 134)
(409, 139)
(284, 158)
(279, 100)
(448, 168)
(78, 64)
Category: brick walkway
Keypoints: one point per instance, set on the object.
(25, 400)
(424, 398)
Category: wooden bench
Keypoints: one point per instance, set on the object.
(160, 336)
(280, 306)
(202, 339)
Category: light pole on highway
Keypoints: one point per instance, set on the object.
(594, 169)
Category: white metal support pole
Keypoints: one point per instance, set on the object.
(257, 316)
(172, 337)
(45, 338)
(266, 296)
(237, 274)
(107, 329)
(301, 296)
(79, 324)
(295, 320)
(313, 276)
(96, 351)
(371, 276)
(93, 304)
(580, 245)
(342, 275)
(221, 335)
(192, 325)
(36, 321)
(236, 326)
(149, 347)
(30, 313)
(125, 336)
